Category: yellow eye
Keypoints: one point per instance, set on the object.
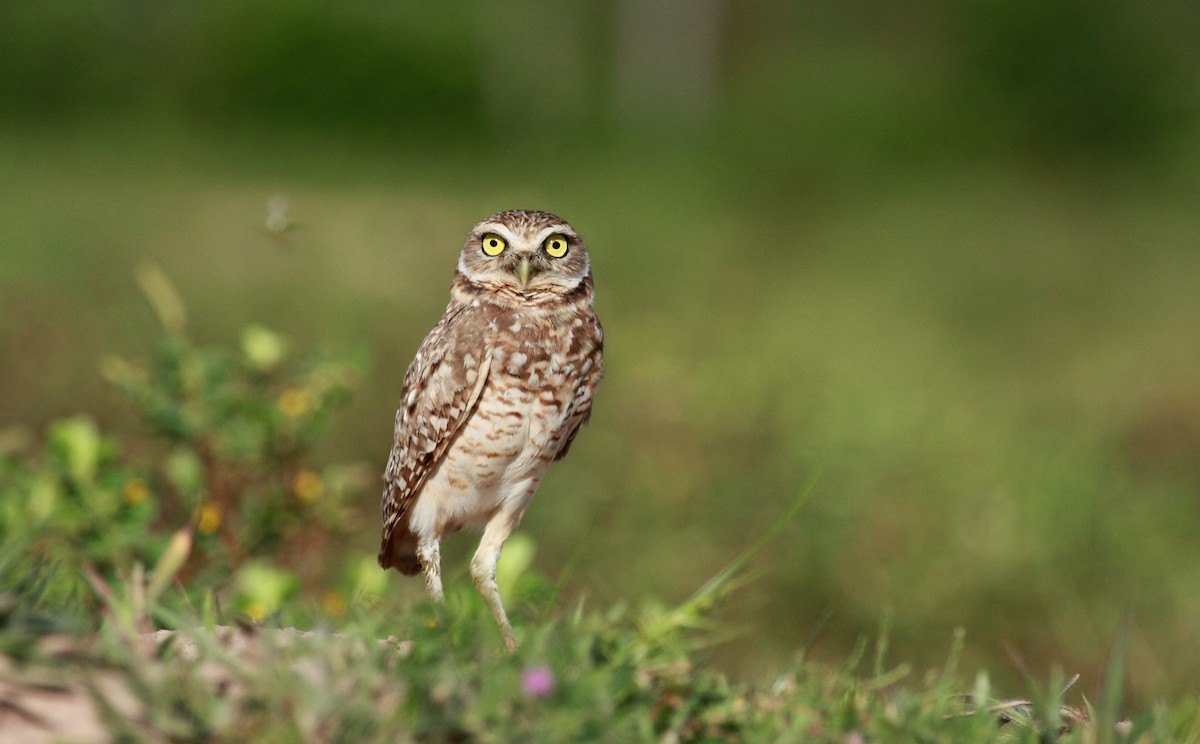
(493, 244)
(556, 246)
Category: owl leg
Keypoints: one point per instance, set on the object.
(429, 553)
(483, 571)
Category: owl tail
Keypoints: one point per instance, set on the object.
(399, 551)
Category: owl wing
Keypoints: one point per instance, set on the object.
(441, 388)
(591, 365)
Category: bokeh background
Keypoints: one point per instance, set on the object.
(949, 250)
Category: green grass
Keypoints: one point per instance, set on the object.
(996, 364)
(581, 675)
(390, 671)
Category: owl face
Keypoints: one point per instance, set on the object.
(525, 251)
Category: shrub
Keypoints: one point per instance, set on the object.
(228, 479)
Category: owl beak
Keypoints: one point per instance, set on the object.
(524, 270)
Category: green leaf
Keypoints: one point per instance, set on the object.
(516, 557)
(263, 348)
(78, 441)
(262, 588)
(172, 560)
(163, 297)
(185, 471)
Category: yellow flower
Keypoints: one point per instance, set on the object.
(210, 519)
(136, 492)
(308, 486)
(294, 402)
(333, 604)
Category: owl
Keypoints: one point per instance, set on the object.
(497, 391)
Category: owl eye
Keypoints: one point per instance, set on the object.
(556, 246)
(493, 245)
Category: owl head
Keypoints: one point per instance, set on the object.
(526, 252)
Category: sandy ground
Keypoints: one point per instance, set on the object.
(40, 703)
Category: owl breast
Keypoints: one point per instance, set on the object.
(519, 425)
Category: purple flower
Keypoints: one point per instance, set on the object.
(537, 682)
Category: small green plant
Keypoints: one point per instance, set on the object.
(227, 481)
(79, 494)
(581, 675)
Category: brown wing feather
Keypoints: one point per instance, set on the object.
(591, 345)
(441, 388)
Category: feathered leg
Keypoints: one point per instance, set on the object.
(429, 553)
(483, 571)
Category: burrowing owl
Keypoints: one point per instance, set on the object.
(497, 391)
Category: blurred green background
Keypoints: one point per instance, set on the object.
(950, 249)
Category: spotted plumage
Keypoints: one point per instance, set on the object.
(497, 391)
